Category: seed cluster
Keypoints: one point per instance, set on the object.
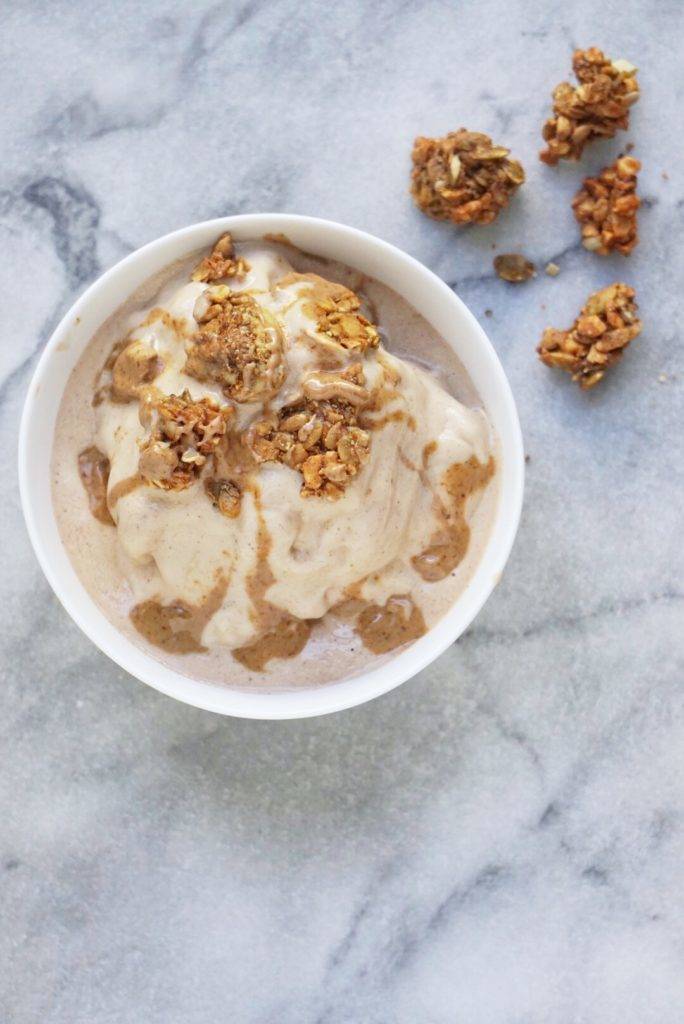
(221, 262)
(337, 315)
(606, 207)
(596, 108)
(463, 177)
(597, 339)
(320, 439)
(238, 346)
(184, 434)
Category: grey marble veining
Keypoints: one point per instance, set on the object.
(501, 840)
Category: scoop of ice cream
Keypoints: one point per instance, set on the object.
(266, 448)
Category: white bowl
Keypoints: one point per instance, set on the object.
(429, 295)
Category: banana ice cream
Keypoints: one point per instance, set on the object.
(263, 468)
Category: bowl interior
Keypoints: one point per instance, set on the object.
(428, 294)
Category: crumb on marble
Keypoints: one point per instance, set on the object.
(514, 267)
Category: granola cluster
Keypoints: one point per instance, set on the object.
(337, 316)
(597, 339)
(463, 177)
(606, 207)
(184, 434)
(596, 108)
(238, 346)
(221, 263)
(321, 439)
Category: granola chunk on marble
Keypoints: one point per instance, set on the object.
(320, 438)
(597, 339)
(596, 108)
(463, 177)
(238, 345)
(221, 263)
(184, 433)
(606, 208)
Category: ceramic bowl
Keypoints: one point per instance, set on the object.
(430, 297)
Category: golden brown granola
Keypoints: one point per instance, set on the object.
(184, 434)
(606, 207)
(596, 108)
(238, 345)
(513, 267)
(319, 438)
(221, 262)
(597, 339)
(337, 316)
(463, 177)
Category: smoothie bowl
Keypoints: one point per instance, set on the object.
(283, 467)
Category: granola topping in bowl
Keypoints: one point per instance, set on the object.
(272, 472)
(237, 345)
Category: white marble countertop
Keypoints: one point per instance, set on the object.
(500, 841)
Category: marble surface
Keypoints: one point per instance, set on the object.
(500, 841)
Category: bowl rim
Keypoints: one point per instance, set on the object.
(307, 701)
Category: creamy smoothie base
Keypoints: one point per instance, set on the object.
(294, 515)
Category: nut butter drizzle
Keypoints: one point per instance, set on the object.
(282, 635)
(450, 540)
(124, 487)
(385, 627)
(381, 627)
(93, 469)
(132, 364)
(177, 627)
